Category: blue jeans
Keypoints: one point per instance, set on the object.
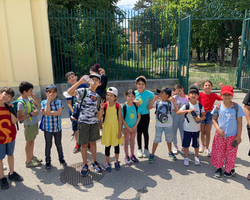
(178, 121)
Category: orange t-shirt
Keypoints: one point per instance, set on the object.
(7, 129)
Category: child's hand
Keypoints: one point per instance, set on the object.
(172, 99)
(119, 135)
(33, 96)
(133, 128)
(191, 110)
(197, 83)
(156, 97)
(238, 139)
(102, 104)
(36, 112)
(11, 105)
(221, 133)
(174, 93)
(220, 84)
(137, 103)
(49, 98)
(83, 80)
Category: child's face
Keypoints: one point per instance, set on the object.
(72, 79)
(96, 81)
(102, 72)
(29, 93)
(193, 96)
(207, 87)
(130, 98)
(164, 96)
(52, 93)
(140, 86)
(110, 97)
(179, 92)
(227, 97)
(4, 97)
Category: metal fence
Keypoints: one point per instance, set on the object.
(126, 44)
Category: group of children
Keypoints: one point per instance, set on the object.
(190, 114)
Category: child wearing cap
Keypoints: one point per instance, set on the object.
(112, 127)
(227, 119)
(194, 113)
(143, 97)
(88, 122)
(27, 112)
(164, 122)
(52, 111)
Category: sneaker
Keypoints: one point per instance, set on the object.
(85, 170)
(77, 148)
(207, 153)
(117, 165)
(201, 149)
(197, 161)
(218, 173)
(189, 152)
(108, 167)
(33, 164)
(36, 159)
(4, 167)
(4, 183)
(63, 163)
(139, 153)
(127, 160)
(171, 155)
(175, 150)
(146, 153)
(48, 167)
(15, 177)
(134, 159)
(100, 132)
(151, 158)
(186, 162)
(232, 173)
(97, 167)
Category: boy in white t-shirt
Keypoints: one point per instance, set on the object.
(164, 122)
(194, 114)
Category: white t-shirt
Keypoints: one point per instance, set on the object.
(180, 101)
(163, 116)
(192, 126)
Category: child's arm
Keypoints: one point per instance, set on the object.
(247, 113)
(13, 118)
(73, 88)
(70, 106)
(182, 112)
(199, 119)
(22, 117)
(172, 99)
(36, 102)
(216, 125)
(151, 103)
(126, 125)
(120, 117)
(239, 130)
(220, 84)
(197, 83)
(137, 122)
(101, 111)
(47, 109)
(56, 113)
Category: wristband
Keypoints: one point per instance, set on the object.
(30, 114)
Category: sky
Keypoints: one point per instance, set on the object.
(126, 4)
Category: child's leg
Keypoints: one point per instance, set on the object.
(196, 152)
(180, 126)
(58, 143)
(139, 133)
(208, 128)
(155, 145)
(1, 169)
(84, 153)
(145, 130)
(132, 142)
(186, 152)
(11, 163)
(231, 154)
(175, 127)
(28, 150)
(169, 137)
(218, 151)
(117, 151)
(93, 150)
(186, 142)
(48, 145)
(107, 153)
(195, 143)
(169, 147)
(32, 148)
(157, 140)
(203, 134)
(126, 140)
(76, 136)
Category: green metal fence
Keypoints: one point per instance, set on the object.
(126, 44)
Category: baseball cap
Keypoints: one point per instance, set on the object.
(227, 89)
(194, 88)
(95, 75)
(164, 89)
(49, 87)
(113, 90)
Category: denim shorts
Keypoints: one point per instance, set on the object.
(187, 139)
(208, 119)
(168, 134)
(7, 149)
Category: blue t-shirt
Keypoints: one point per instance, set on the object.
(227, 119)
(73, 99)
(144, 99)
(131, 115)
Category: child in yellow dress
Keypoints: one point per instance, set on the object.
(112, 127)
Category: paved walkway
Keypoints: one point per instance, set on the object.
(164, 179)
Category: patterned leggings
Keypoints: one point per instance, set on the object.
(221, 150)
(129, 138)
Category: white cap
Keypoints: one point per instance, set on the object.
(113, 90)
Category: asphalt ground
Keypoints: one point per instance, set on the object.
(164, 179)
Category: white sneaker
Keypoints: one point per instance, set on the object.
(196, 161)
(100, 132)
(146, 153)
(189, 152)
(139, 153)
(201, 149)
(186, 162)
(207, 153)
(4, 167)
(175, 150)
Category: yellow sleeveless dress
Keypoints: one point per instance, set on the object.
(111, 128)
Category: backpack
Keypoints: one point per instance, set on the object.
(235, 106)
(29, 105)
(12, 111)
(188, 107)
(117, 106)
(124, 109)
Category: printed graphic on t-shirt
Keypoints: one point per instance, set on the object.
(162, 113)
(140, 99)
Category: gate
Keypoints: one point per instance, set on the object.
(184, 51)
(243, 64)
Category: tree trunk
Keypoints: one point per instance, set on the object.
(232, 25)
(204, 54)
(222, 58)
(209, 54)
(198, 51)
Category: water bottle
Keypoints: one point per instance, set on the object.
(89, 80)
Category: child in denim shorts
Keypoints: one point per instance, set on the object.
(164, 122)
